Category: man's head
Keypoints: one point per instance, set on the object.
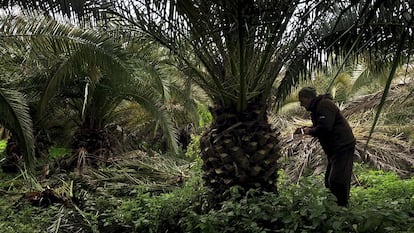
(306, 95)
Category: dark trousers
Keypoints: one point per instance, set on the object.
(338, 174)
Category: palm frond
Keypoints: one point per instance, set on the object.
(388, 84)
(81, 10)
(389, 153)
(234, 51)
(154, 107)
(156, 172)
(363, 77)
(70, 51)
(15, 117)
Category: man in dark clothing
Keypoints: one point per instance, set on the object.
(336, 138)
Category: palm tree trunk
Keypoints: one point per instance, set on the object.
(240, 149)
(95, 142)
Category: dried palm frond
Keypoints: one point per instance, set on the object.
(390, 153)
(70, 221)
(138, 168)
(302, 154)
(384, 152)
(30, 180)
(371, 101)
(57, 223)
(299, 153)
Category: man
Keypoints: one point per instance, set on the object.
(336, 138)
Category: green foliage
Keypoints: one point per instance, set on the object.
(27, 219)
(151, 212)
(383, 202)
(305, 207)
(57, 152)
(384, 190)
(3, 144)
(193, 149)
(16, 215)
(205, 115)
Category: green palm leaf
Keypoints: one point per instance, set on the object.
(387, 86)
(80, 9)
(69, 49)
(72, 55)
(162, 117)
(15, 116)
(231, 62)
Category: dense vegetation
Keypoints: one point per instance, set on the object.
(108, 202)
(152, 192)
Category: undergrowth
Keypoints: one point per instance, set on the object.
(381, 202)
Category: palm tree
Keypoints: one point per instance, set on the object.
(234, 51)
(84, 67)
(82, 11)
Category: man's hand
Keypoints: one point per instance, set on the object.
(303, 130)
(307, 130)
(299, 131)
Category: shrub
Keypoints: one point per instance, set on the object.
(161, 212)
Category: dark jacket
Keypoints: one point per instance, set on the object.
(330, 126)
